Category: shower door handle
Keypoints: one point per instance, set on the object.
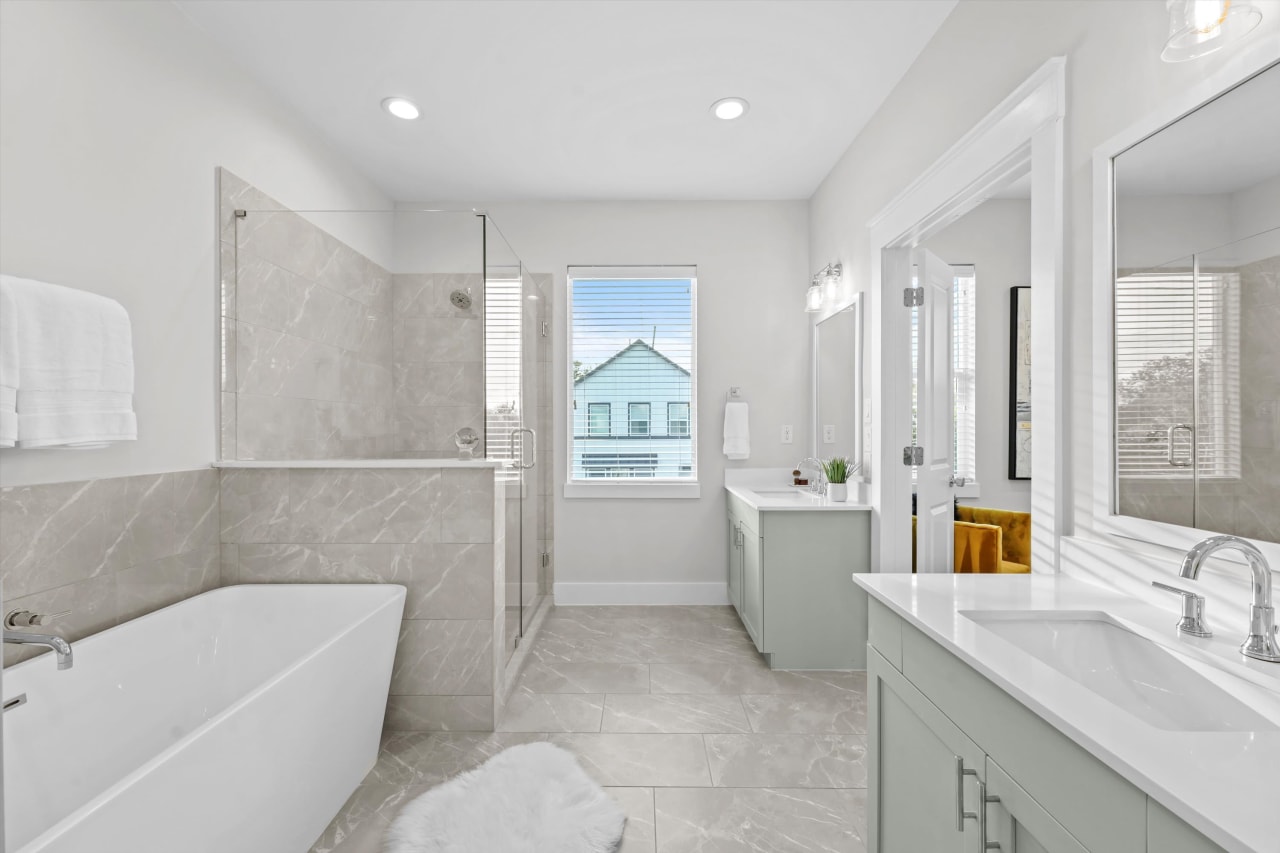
(1173, 460)
(534, 455)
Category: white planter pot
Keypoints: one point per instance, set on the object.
(838, 492)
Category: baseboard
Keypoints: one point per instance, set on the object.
(572, 594)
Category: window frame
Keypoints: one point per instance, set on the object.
(638, 487)
(608, 420)
(647, 421)
(683, 420)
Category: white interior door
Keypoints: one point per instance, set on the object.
(935, 417)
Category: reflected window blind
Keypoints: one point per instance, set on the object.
(632, 349)
(502, 307)
(1165, 323)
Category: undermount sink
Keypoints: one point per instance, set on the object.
(1123, 668)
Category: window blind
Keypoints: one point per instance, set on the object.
(1171, 326)
(502, 317)
(964, 342)
(632, 349)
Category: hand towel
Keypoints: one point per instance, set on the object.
(8, 367)
(75, 366)
(737, 434)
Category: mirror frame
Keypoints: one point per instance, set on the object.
(1106, 520)
(815, 437)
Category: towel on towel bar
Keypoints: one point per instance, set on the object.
(737, 434)
(74, 355)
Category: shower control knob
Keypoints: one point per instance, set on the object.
(28, 619)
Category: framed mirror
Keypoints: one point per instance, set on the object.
(1195, 318)
(837, 385)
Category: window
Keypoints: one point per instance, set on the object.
(502, 366)
(632, 349)
(598, 419)
(964, 364)
(677, 418)
(637, 419)
(1177, 335)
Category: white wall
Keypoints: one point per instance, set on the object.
(979, 55)
(752, 261)
(114, 117)
(995, 238)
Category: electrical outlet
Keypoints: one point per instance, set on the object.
(787, 436)
(828, 433)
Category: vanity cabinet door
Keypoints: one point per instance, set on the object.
(752, 611)
(917, 793)
(735, 563)
(1018, 823)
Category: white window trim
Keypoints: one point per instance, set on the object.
(647, 488)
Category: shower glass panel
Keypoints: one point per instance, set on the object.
(1198, 385)
(511, 407)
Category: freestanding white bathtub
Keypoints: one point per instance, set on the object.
(238, 721)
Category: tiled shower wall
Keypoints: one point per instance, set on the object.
(432, 530)
(437, 352)
(107, 550)
(307, 338)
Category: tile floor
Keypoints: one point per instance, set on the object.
(674, 712)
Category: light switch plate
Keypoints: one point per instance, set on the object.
(787, 434)
(828, 433)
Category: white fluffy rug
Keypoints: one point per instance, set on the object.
(527, 799)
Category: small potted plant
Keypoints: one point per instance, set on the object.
(837, 470)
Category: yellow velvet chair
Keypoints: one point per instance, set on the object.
(988, 541)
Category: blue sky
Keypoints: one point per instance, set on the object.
(608, 314)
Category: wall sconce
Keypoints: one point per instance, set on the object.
(1199, 27)
(823, 287)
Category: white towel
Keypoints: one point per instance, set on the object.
(8, 367)
(75, 366)
(737, 433)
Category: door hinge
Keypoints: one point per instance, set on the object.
(912, 296)
(913, 455)
(546, 559)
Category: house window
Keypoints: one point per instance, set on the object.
(637, 419)
(1178, 334)
(632, 345)
(598, 419)
(677, 418)
(964, 353)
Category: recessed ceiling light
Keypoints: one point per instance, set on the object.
(730, 108)
(401, 108)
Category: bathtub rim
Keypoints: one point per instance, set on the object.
(132, 777)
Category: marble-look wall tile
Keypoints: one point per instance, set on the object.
(440, 714)
(366, 505)
(255, 505)
(443, 384)
(467, 505)
(107, 550)
(444, 657)
(312, 324)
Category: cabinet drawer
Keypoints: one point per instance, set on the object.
(1094, 804)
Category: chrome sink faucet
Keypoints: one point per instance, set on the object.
(1261, 642)
(60, 647)
(817, 485)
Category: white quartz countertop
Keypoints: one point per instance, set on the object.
(770, 489)
(1223, 783)
(359, 463)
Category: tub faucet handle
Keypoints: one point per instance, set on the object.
(28, 619)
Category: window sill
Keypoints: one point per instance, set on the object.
(968, 490)
(633, 491)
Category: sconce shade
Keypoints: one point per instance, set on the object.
(813, 298)
(1199, 27)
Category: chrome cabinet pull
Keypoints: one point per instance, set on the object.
(983, 801)
(1173, 460)
(961, 814)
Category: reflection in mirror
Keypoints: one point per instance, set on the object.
(838, 385)
(1197, 310)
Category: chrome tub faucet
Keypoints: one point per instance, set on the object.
(26, 619)
(1261, 642)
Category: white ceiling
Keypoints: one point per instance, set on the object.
(570, 99)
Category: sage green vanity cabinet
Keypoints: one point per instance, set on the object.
(932, 717)
(788, 578)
